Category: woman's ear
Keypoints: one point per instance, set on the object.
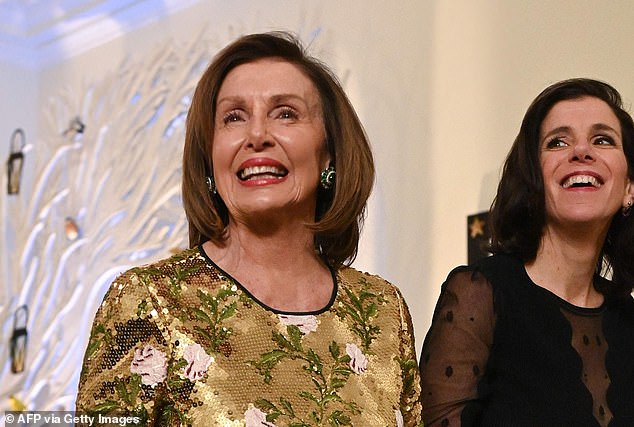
(326, 160)
(628, 199)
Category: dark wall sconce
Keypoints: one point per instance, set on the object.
(17, 346)
(15, 162)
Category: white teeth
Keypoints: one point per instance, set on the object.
(258, 170)
(581, 179)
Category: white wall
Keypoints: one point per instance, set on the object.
(441, 86)
(18, 105)
(18, 109)
(18, 90)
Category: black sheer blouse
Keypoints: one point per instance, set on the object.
(503, 351)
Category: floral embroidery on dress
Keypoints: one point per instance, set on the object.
(358, 360)
(305, 323)
(256, 418)
(197, 362)
(187, 329)
(150, 364)
(328, 378)
(361, 308)
(214, 311)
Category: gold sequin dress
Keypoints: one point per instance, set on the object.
(180, 342)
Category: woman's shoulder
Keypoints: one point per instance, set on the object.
(362, 288)
(495, 269)
(485, 277)
(353, 278)
(168, 274)
(179, 260)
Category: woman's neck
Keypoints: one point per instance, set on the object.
(279, 267)
(565, 264)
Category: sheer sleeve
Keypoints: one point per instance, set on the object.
(126, 364)
(456, 348)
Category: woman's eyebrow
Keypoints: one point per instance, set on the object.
(559, 129)
(604, 127)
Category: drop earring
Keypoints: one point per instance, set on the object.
(211, 184)
(627, 209)
(327, 177)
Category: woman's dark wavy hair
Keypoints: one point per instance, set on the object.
(518, 216)
(340, 211)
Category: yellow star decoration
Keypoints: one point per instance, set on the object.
(476, 228)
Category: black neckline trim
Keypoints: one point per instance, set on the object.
(582, 311)
(333, 296)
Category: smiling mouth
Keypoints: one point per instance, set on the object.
(581, 181)
(261, 172)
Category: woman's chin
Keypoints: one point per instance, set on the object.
(272, 211)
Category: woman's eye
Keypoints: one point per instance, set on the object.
(232, 116)
(287, 113)
(604, 140)
(555, 143)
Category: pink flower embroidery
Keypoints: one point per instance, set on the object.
(256, 418)
(306, 324)
(150, 363)
(197, 361)
(399, 418)
(358, 361)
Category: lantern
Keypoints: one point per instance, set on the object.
(17, 346)
(15, 162)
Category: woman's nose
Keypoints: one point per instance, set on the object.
(582, 151)
(258, 134)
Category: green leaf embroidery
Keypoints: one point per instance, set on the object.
(334, 350)
(106, 406)
(180, 274)
(287, 406)
(201, 315)
(170, 415)
(122, 391)
(327, 379)
(98, 336)
(361, 309)
(338, 418)
(265, 405)
(135, 387)
(228, 311)
(214, 310)
(408, 373)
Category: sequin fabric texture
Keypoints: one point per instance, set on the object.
(180, 342)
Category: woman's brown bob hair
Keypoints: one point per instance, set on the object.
(518, 213)
(340, 210)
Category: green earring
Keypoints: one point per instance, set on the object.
(211, 184)
(327, 177)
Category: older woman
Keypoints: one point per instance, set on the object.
(542, 332)
(261, 323)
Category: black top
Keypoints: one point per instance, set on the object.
(503, 351)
